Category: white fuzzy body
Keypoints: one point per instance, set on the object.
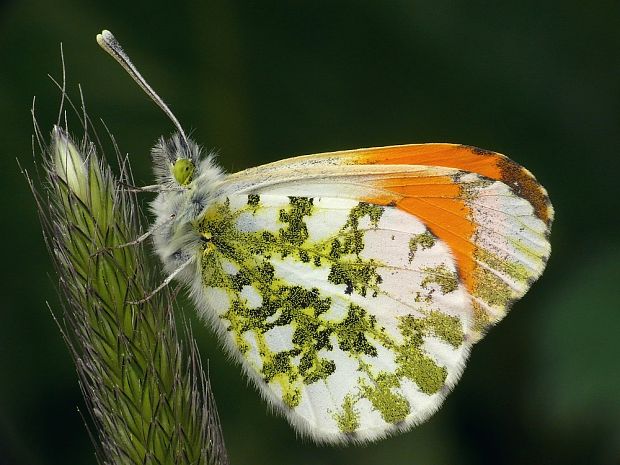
(176, 209)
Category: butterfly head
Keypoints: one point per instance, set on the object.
(176, 160)
(183, 171)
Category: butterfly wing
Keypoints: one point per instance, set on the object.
(352, 285)
(491, 212)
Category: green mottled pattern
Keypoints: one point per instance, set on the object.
(447, 280)
(495, 284)
(348, 419)
(423, 241)
(282, 304)
(510, 268)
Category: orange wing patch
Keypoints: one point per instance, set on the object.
(489, 164)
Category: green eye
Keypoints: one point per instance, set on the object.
(183, 170)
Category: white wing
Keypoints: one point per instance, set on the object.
(351, 286)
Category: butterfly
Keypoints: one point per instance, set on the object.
(350, 286)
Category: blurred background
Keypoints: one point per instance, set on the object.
(260, 81)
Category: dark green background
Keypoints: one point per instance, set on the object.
(260, 81)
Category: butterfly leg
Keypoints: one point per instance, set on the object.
(166, 281)
(139, 239)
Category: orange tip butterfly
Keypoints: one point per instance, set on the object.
(350, 286)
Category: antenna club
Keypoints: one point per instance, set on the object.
(107, 41)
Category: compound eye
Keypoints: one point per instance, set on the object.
(183, 171)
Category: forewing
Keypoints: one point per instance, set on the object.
(349, 316)
(491, 213)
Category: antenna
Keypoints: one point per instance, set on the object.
(108, 42)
